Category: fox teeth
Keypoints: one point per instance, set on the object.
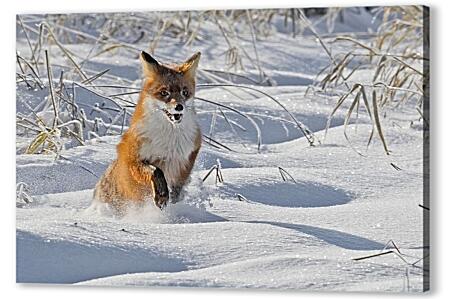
(174, 118)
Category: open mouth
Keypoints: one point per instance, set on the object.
(174, 118)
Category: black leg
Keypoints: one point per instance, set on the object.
(161, 195)
(176, 194)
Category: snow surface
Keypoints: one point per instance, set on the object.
(276, 234)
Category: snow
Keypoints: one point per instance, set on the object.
(276, 234)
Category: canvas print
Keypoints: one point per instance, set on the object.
(252, 148)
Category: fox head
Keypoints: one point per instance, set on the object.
(170, 89)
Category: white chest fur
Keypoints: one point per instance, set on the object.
(168, 142)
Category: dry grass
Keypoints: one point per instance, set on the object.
(107, 33)
(217, 169)
(394, 59)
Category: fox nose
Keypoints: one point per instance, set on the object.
(179, 107)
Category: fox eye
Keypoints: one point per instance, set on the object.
(185, 93)
(164, 93)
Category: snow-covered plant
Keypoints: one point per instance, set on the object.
(22, 196)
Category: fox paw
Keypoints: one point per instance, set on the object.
(161, 200)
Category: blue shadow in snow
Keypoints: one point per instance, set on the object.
(338, 238)
(55, 261)
(289, 194)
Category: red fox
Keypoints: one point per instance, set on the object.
(157, 153)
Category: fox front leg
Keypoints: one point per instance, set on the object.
(161, 191)
(159, 184)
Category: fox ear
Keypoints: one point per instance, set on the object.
(149, 64)
(190, 65)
